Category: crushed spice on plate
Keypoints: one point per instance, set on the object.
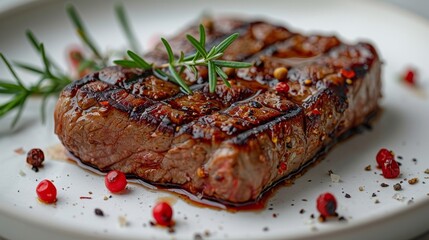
(413, 181)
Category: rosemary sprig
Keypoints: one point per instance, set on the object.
(82, 33)
(50, 71)
(18, 90)
(52, 79)
(123, 20)
(202, 57)
(50, 82)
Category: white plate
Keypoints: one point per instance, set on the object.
(401, 39)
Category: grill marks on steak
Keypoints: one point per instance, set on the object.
(234, 143)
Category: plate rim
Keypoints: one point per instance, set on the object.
(357, 224)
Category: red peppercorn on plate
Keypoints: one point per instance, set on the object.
(344, 196)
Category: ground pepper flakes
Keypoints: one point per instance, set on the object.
(349, 81)
(409, 76)
(348, 73)
(280, 73)
(397, 187)
(201, 173)
(413, 181)
(98, 212)
(104, 103)
(19, 151)
(308, 82)
(282, 88)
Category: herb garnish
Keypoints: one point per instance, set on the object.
(202, 57)
(51, 82)
(52, 79)
(97, 60)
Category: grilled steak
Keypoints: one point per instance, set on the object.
(233, 144)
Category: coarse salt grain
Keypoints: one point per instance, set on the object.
(398, 197)
(122, 221)
(335, 178)
(22, 173)
(310, 222)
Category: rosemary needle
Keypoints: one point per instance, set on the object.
(81, 30)
(123, 20)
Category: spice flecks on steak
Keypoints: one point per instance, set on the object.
(232, 144)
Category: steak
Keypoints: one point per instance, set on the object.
(233, 144)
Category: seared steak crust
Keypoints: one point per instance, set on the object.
(233, 144)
